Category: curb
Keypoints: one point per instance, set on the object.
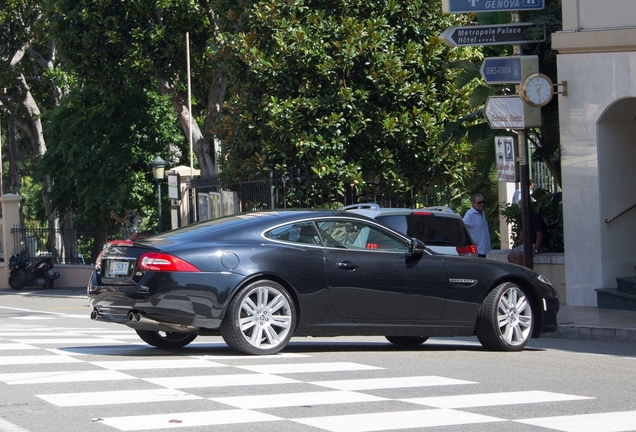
(593, 333)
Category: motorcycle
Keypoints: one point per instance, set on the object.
(26, 273)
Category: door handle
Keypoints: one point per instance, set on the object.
(346, 265)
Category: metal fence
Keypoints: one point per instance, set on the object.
(413, 190)
(64, 246)
(82, 245)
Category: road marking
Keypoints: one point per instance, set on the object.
(601, 422)
(63, 376)
(296, 399)
(116, 397)
(64, 341)
(371, 422)
(5, 426)
(290, 368)
(390, 383)
(36, 359)
(157, 364)
(16, 346)
(220, 381)
(493, 399)
(191, 419)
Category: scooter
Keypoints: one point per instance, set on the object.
(25, 273)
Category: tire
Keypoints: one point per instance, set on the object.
(260, 319)
(13, 283)
(407, 340)
(506, 319)
(166, 340)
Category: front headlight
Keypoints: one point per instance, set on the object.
(544, 280)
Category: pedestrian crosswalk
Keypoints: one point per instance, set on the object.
(214, 387)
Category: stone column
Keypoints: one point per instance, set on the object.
(10, 219)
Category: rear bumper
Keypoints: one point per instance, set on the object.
(191, 300)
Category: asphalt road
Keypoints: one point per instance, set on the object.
(59, 371)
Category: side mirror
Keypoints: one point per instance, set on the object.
(417, 246)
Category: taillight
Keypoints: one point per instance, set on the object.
(155, 261)
(120, 243)
(422, 213)
(98, 261)
(468, 250)
(372, 245)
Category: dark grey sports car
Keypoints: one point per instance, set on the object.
(258, 279)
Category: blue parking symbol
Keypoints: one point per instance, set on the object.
(508, 150)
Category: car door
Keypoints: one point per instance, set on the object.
(372, 275)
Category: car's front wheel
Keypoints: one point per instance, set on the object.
(506, 319)
(407, 340)
(260, 319)
(166, 340)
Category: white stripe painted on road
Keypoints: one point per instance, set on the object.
(191, 419)
(390, 383)
(63, 376)
(371, 422)
(183, 362)
(289, 368)
(116, 397)
(220, 381)
(5, 426)
(296, 399)
(244, 357)
(33, 318)
(16, 347)
(601, 422)
(493, 399)
(36, 359)
(78, 340)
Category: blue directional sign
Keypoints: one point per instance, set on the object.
(508, 70)
(468, 6)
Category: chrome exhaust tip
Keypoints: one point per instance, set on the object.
(94, 314)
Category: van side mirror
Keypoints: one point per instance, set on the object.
(417, 246)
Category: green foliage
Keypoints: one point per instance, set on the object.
(341, 89)
(101, 145)
(549, 206)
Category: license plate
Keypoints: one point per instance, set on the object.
(118, 268)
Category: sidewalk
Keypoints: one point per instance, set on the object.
(580, 322)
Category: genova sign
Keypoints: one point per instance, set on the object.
(468, 6)
(508, 70)
(509, 112)
(500, 34)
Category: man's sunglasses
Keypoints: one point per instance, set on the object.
(481, 202)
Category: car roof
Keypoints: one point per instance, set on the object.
(373, 210)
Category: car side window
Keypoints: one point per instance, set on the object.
(360, 235)
(301, 232)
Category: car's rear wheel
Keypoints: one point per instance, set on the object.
(506, 319)
(407, 340)
(260, 319)
(166, 339)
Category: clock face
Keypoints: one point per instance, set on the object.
(537, 90)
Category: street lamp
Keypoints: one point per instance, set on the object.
(158, 166)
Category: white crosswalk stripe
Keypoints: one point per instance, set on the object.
(248, 386)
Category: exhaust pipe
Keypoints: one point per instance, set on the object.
(94, 314)
(139, 321)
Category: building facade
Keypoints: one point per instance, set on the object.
(597, 58)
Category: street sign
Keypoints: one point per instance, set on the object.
(500, 34)
(509, 112)
(505, 149)
(508, 70)
(468, 6)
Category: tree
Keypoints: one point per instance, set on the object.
(341, 89)
(141, 44)
(99, 160)
(30, 79)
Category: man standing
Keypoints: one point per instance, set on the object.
(475, 220)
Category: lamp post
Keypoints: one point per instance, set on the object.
(158, 166)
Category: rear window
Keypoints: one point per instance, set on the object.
(432, 230)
